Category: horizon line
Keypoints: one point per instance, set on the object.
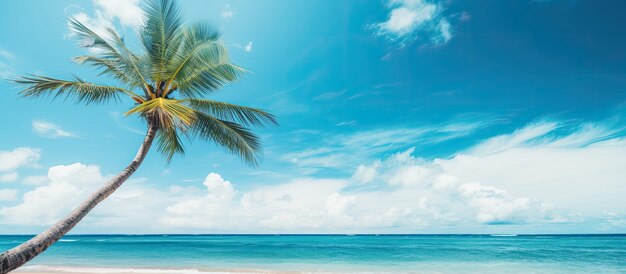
(339, 234)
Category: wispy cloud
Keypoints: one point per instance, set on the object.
(551, 133)
(411, 20)
(346, 123)
(340, 151)
(8, 194)
(35, 180)
(465, 16)
(9, 177)
(247, 47)
(227, 12)
(7, 59)
(50, 130)
(519, 137)
(6, 55)
(330, 95)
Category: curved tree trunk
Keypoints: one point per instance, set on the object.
(19, 255)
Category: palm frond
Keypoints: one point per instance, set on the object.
(200, 50)
(110, 68)
(196, 39)
(202, 80)
(232, 136)
(129, 59)
(169, 143)
(110, 46)
(161, 35)
(84, 92)
(231, 112)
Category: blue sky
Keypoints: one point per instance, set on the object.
(400, 116)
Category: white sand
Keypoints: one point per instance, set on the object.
(38, 269)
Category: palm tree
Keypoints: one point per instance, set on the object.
(177, 66)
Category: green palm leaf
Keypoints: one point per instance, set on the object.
(110, 68)
(112, 48)
(169, 143)
(83, 92)
(200, 49)
(232, 112)
(232, 136)
(204, 79)
(161, 36)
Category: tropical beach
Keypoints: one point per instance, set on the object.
(278, 136)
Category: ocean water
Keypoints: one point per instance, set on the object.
(333, 253)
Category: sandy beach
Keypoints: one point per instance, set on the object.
(41, 269)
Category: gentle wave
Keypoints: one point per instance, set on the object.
(67, 240)
(503, 235)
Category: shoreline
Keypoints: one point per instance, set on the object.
(48, 269)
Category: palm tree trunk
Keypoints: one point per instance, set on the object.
(19, 255)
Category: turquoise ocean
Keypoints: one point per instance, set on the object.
(332, 253)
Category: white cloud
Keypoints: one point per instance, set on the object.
(227, 12)
(248, 47)
(9, 177)
(444, 34)
(301, 204)
(18, 158)
(69, 185)
(128, 12)
(537, 174)
(106, 12)
(99, 24)
(219, 189)
(35, 180)
(364, 174)
(409, 20)
(465, 16)
(465, 200)
(406, 17)
(574, 170)
(493, 205)
(8, 194)
(419, 195)
(50, 130)
(66, 186)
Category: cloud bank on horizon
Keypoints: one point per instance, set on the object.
(530, 177)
